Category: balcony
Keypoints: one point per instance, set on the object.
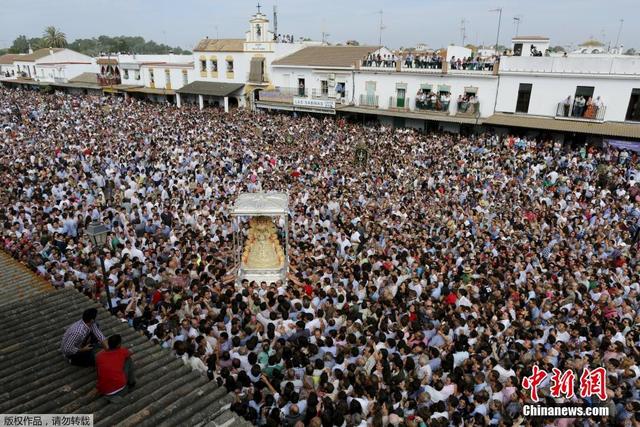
(283, 94)
(399, 104)
(429, 107)
(369, 101)
(468, 109)
(587, 113)
(108, 80)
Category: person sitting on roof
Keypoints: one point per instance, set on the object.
(114, 369)
(81, 338)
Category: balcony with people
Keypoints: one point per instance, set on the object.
(581, 108)
(432, 101)
(469, 64)
(380, 61)
(422, 63)
(468, 104)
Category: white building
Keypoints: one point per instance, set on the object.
(48, 65)
(530, 45)
(231, 72)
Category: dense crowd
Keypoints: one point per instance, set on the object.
(424, 285)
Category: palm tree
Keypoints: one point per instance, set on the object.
(52, 37)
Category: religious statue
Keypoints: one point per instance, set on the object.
(262, 248)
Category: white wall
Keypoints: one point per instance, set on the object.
(548, 91)
(386, 87)
(287, 77)
(579, 64)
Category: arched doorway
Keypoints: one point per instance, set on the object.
(233, 102)
(256, 94)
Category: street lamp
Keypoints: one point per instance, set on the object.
(97, 233)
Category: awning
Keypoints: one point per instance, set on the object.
(444, 88)
(261, 204)
(256, 73)
(624, 130)
(470, 89)
(152, 90)
(123, 87)
(426, 86)
(210, 88)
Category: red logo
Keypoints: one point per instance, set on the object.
(531, 383)
(562, 383)
(593, 382)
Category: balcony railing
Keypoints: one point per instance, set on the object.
(471, 66)
(108, 80)
(369, 100)
(467, 108)
(396, 103)
(575, 112)
(432, 106)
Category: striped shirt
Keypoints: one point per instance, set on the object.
(76, 335)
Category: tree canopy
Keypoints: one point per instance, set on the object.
(52, 37)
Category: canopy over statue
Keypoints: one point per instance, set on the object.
(261, 233)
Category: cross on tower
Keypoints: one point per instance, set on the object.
(258, 6)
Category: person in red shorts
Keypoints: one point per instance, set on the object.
(114, 368)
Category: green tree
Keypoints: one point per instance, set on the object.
(53, 37)
(20, 45)
(631, 51)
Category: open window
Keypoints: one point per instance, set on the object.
(524, 96)
(633, 111)
(517, 49)
(583, 95)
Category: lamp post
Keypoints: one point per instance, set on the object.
(97, 233)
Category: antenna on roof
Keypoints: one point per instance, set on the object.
(619, 32)
(275, 20)
(516, 20)
(382, 27)
(463, 31)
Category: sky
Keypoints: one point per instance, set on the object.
(406, 22)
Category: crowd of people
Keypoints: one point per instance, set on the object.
(473, 63)
(424, 285)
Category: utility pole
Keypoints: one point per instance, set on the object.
(499, 10)
(382, 27)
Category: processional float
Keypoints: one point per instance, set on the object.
(261, 237)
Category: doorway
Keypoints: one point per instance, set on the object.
(524, 96)
(301, 87)
(400, 101)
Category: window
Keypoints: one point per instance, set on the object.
(524, 96)
(324, 87)
(633, 111)
(301, 87)
(185, 78)
(167, 78)
(229, 65)
(137, 75)
(581, 99)
(151, 77)
(517, 49)
(126, 74)
(214, 65)
(203, 65)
